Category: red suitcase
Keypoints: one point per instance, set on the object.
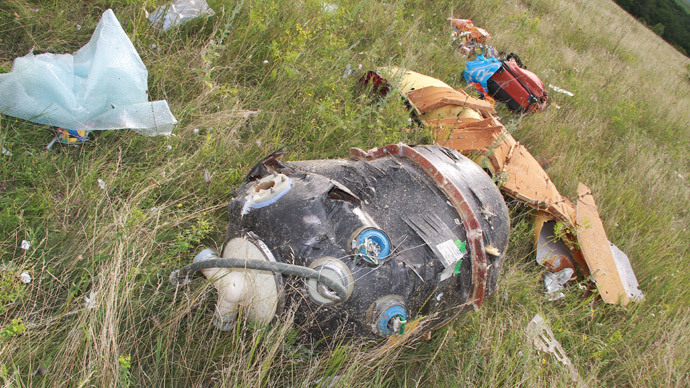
(520, 89)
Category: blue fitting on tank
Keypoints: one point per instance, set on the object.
(386, 316)
(379, 240)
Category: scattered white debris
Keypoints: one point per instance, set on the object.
(6, 152)
(559, 90)
(179, 12)
(554, 283)
(196, 131)
(90, 301)
(25, 277)
(169, 147)
(329, 8)
(265, 61)
(101, 184)
(207, 176)
(348, 71)
(541, 335)
(26, 245)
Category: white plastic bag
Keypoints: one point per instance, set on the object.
(101, 86)
(179, 12)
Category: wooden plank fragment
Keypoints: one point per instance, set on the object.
(596, 249)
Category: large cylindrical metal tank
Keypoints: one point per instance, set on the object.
(407, 231)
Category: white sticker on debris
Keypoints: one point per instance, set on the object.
(450, 253)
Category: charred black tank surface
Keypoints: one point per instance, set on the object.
(390, 235)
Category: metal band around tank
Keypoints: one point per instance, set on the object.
(457, 199)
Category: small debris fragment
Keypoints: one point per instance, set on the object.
(26, 245)
(6, 152)
(559, 90)
(540, 333)
(554, 282)
(179, 12)
(101, 184)
(207, 177)
(329, 8)
(492, 250)
(25, 277)
(348, 71)
(90, 301)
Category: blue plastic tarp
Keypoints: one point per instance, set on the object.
(480, 70)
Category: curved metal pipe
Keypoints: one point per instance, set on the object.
(176, 277)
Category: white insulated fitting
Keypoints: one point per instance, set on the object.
(252, 291)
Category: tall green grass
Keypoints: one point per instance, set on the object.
(625, 134)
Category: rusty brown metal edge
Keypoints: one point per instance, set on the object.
(469, 219)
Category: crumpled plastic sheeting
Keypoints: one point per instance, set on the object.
(179, 12)
(480, 70)
(101, 86)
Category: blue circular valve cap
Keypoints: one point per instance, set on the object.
(379, 238)
(385, 318)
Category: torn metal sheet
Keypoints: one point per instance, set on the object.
(528, 182)
(447, 112)
(617, 286)
(551, 251)
(468, 139)
(540, 334)
(407, 80)
(434, 97)
(554, 282)
(471, 38)
(626, 273)
(393, 234)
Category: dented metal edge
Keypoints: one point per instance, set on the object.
(457, 199)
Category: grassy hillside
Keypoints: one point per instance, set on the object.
(625, 133)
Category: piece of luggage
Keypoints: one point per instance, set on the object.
(520, 89)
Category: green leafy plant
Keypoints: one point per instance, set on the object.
(16, 327)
